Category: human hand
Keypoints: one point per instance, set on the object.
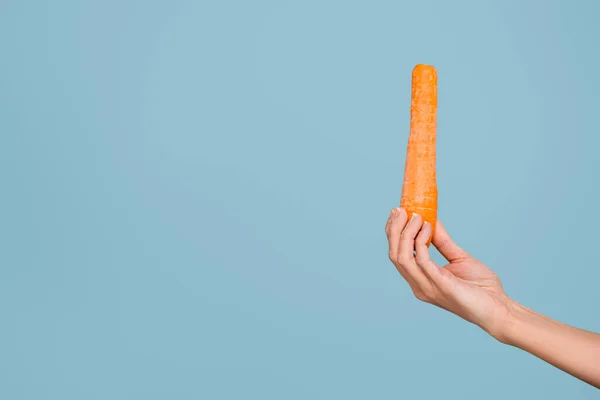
(465, 286)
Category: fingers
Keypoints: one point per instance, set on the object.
(406, 257)
(422, 257)
(403, 238)
(445, 244)
(407, 239)
(394, 228)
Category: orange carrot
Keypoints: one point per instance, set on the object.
(419, 191)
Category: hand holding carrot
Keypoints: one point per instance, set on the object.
(465, 286)
(469, 289)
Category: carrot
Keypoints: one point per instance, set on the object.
(419, 190)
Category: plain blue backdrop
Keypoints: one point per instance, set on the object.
(194, 195)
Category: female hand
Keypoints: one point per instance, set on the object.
(464, 286)
(472, 291)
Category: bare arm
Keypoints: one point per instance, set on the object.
(575, 351)
(469, 289)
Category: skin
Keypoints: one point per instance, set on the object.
(469, 289)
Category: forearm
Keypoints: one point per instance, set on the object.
(572, 350)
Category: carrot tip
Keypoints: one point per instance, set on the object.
(424, 71)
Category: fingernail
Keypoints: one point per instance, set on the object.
(392, 213)
(426, 227)
(414, 216)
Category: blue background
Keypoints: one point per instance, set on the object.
(194, 195)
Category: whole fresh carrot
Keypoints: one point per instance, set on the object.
(419, 191)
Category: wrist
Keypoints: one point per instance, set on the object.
(504, 321)
(515, 317)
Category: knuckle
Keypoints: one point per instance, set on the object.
(402, 259)
(421, 260)
(427, 295)
(421, 296)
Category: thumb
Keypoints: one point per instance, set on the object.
(445, 245)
